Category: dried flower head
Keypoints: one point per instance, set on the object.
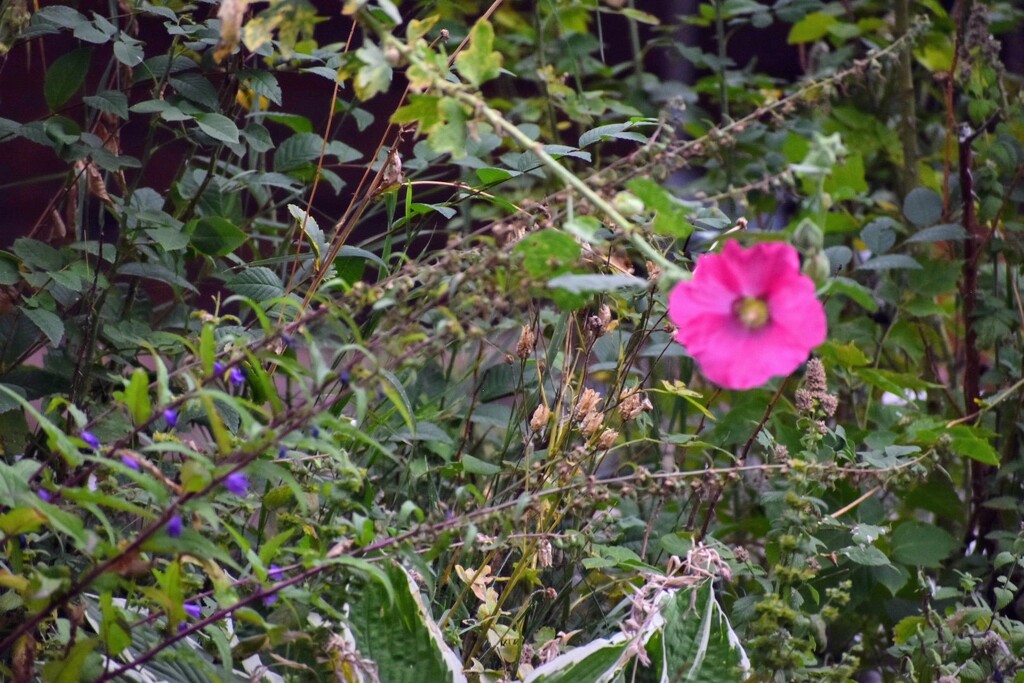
(587, 403)
(540, 418)
(632, 402)
(544, 558)
(527, 342)
(591, 422)
(607, 439)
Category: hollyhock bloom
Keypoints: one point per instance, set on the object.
(174, 526)
(748, 315)
(237, 483)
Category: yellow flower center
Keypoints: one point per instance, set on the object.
(751, 312)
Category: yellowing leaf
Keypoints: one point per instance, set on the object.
(479, 62)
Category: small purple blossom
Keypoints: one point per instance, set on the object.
(174, 526)
(236, 376)
(193, 610)
(314, 431)
(269, 600)
(129, 461)
(275, 573)
(171, 417)
(218, 368)
(237, 483)
(282, 452)
(90, 438)
(345, 377)
(182, 626)
(44, 495)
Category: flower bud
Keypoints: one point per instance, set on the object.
(818, 268)
(808, 237)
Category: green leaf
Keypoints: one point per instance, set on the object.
(157, 273)
(854, 290)
(473, 465)
(697, 645)
(969, 441)
(258, 283)
(922, 206)
(451, 134)
(811, 28)
(939, 233)
(375, 75)
(671, 217)
(216, 236)
(869, 556)
(38, 255)
(879, 235)
(65, 76)
(136, 397)
(921, 544)
(218, 127)
(890, 262)
(421, 110)
(548, 252)
(396, 631)
(49, 323)
(129, 52)
(846, 355)
(297, 150)
(585, 284)
(479, 62)
(69, 667)
(612, 131)
(110, 102)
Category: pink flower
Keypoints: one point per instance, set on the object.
(748, 315)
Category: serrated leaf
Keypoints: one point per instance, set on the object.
(890, 262)
(65, 76)
(156, 272)
(375, 75)
(48, 323)
(616, 131)
(938, 233)
(216, 236)
(869, 556)
(257, 283)
(922, 545)
(109, 102)
(218, 127)
(297, 150)
(479, 63)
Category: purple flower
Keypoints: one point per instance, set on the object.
(282, 452)
(174, 526)
(269, 600)
(44, 495)
(218, 368)
(91, 439)
(193, 610)
(182, 626)
(237, 483)
(314, 431)
(275, 573)
(131, 462)
(236, 376)
(345, 377)
(171, 417)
